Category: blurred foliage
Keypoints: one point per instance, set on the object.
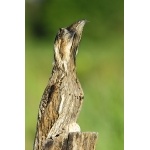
(99, 63)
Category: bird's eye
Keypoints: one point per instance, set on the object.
(59, 35)
(60, 32)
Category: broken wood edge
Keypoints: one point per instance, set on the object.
(73, 141)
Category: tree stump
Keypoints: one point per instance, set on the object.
(62, 99)
(74, 141)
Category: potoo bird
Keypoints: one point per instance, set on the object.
(62, 98)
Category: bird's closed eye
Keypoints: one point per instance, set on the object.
(60, 29)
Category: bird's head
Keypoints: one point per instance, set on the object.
(66, 43)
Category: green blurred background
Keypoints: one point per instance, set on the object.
(100, 63)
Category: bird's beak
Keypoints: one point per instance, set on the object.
(77, 26)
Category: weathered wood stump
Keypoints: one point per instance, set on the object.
(74, 141)
(62, 99)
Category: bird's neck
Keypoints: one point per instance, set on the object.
(65, 67)
(65, 64)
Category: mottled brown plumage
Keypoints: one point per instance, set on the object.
(62, 99)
